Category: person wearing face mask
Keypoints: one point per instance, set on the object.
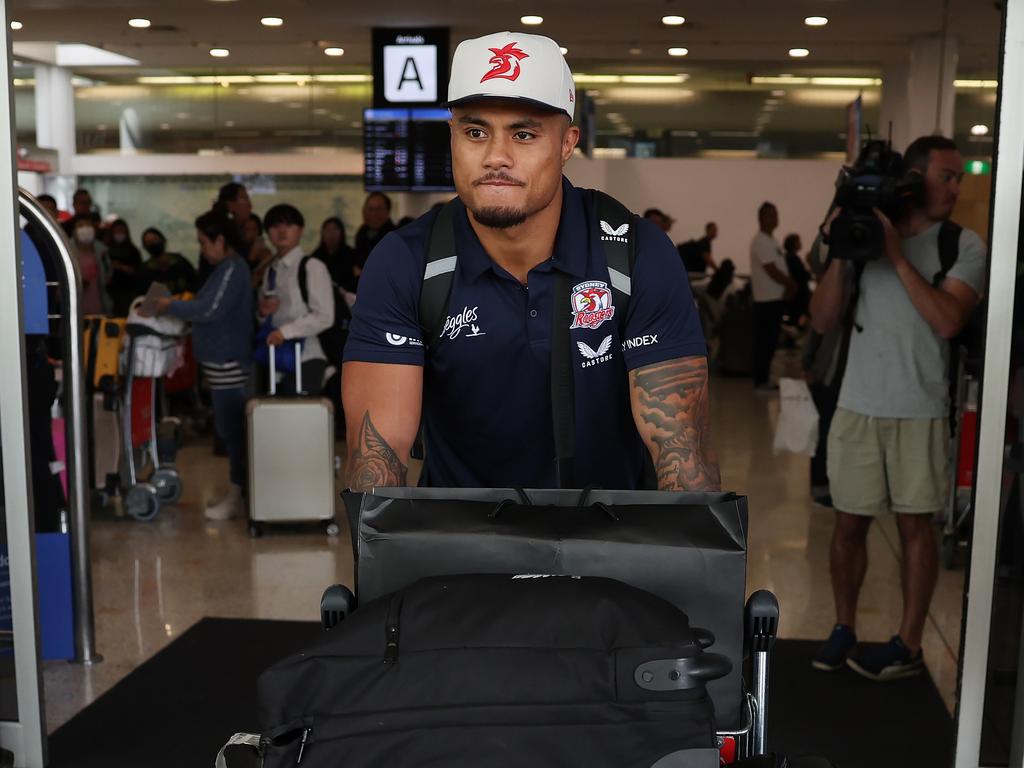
(163, 266)
(94, 266)
(126, 263)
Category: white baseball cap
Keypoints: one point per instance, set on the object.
(512, 65)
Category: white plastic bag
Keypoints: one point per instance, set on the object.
(797, 430)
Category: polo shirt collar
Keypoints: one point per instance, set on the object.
(572, 240)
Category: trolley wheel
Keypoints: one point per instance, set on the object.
(168, 485)
(332, 529)
(255, 530)
(949, 551)
(142, 502)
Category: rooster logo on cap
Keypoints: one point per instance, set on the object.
(506, 63)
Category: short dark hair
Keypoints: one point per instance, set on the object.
(216, 224)
(229, 192)
(765, 207)
(283, 213)
(789, 244)
(121, 223)
(154, 231)
(654, 212)
(919, 153)
(382, 196)
(47, 199)
(709, 225)
(81, 191)
(259, 222)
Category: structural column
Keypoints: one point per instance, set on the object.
(55, 114)
(918, 96)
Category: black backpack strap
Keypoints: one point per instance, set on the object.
(949, 250)
(304, 280)
(619, 250)
(563, 394)
(438, 275)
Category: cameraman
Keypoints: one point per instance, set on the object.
(889, 441)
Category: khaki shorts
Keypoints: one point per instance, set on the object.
(877, 465)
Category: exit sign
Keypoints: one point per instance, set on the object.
(978, 167)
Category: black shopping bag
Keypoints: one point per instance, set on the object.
(689, 548)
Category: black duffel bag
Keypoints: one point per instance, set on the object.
(687, 548)
(498, 671)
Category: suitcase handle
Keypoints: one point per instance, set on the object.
(681, 674)
(298, 368)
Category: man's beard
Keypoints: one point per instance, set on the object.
(502, 217)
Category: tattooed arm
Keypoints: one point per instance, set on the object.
(671, 409)
(382, 411)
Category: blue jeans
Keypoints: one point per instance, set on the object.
(229, 420)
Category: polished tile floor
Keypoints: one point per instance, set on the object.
(152, 581)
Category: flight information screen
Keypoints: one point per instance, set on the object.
(407, 150)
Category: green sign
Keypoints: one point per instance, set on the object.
(978, 167)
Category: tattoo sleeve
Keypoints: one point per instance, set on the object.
(373, 463)
(671, 409)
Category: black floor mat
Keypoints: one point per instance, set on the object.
(179, 707)
(855, 722)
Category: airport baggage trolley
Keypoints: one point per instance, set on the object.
(394, 527)
(957, 518)
(153, 350)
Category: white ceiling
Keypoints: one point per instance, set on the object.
(862, 34)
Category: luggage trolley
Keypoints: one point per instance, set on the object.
(957, 517)
(152, 352)
(760, 631)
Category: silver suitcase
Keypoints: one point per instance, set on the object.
(291, 457)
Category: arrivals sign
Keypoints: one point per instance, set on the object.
(410, 67)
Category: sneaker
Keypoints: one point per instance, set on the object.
(887, 662)
(832, 655)
(228, 507)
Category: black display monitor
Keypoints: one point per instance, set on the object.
(407, 150)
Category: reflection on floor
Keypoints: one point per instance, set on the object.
(152, 581)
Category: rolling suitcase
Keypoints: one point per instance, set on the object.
(108, 341)
(291, 457)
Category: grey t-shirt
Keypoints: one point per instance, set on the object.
(898, 365)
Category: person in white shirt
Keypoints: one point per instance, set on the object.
(772, 286)
(298, 298)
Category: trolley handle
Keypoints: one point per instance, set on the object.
(298, 368)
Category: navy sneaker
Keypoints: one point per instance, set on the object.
(887, 662)
(832, 655)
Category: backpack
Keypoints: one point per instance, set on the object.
(500, 671)
(435, 295)
(332, 339)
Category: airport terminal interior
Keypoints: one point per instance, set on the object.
(201, 185)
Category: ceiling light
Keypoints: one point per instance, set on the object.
(654, 79)
(854, 82)
(563, 50)
(271, 21)
(979, 130)
(333, 51)
(672, 21)
(799, 53)
(16, 25)
(678, 51)
(976, 83)
(636, 51)
(815, 21)
(139, 23)
(220, 53)
(532, 20)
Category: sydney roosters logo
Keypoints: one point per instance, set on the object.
(506, 63)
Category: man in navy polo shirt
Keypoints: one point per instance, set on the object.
(484, 389)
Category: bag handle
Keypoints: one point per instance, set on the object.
(298, 369)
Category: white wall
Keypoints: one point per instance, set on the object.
(727, 191)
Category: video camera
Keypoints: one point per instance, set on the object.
(879, 179)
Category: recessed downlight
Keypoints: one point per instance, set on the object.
(816, 21)
(220, 53)
(979, 130)
(531, 21)
(673, 21)
(140, 23)
(272, 21)
(16, 25)
(334, 51)
(563, 50)
(799, 53)
(678, 51)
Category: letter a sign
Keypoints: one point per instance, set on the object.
(410, 73)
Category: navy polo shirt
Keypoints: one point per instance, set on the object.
(487, 386)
